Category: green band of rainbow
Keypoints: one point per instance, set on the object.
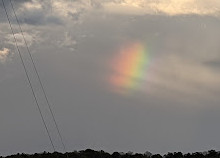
(129, 67)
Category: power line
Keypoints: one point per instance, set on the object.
(39, 78)
(28, 78)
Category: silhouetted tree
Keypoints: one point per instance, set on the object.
(156, 156)
(89, 153)
(147, 154)
(116, 155)
(212, 154)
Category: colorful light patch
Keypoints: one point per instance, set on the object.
(129, 68)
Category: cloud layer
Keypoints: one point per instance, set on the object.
(73, 43)
(169, 7)
(139, 7)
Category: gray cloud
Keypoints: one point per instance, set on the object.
(19, 3)
(31, 12)
(213, 64)
(38, 18)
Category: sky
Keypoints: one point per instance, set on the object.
(121, 75)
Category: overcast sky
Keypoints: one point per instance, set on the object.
(121, 75)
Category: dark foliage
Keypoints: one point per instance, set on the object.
(101, 154)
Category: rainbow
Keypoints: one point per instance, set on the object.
(129, 68)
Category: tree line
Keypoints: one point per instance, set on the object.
(101, 154)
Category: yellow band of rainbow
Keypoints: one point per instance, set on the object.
(129, 67)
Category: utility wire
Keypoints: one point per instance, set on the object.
(28, 78)
(39, 79)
